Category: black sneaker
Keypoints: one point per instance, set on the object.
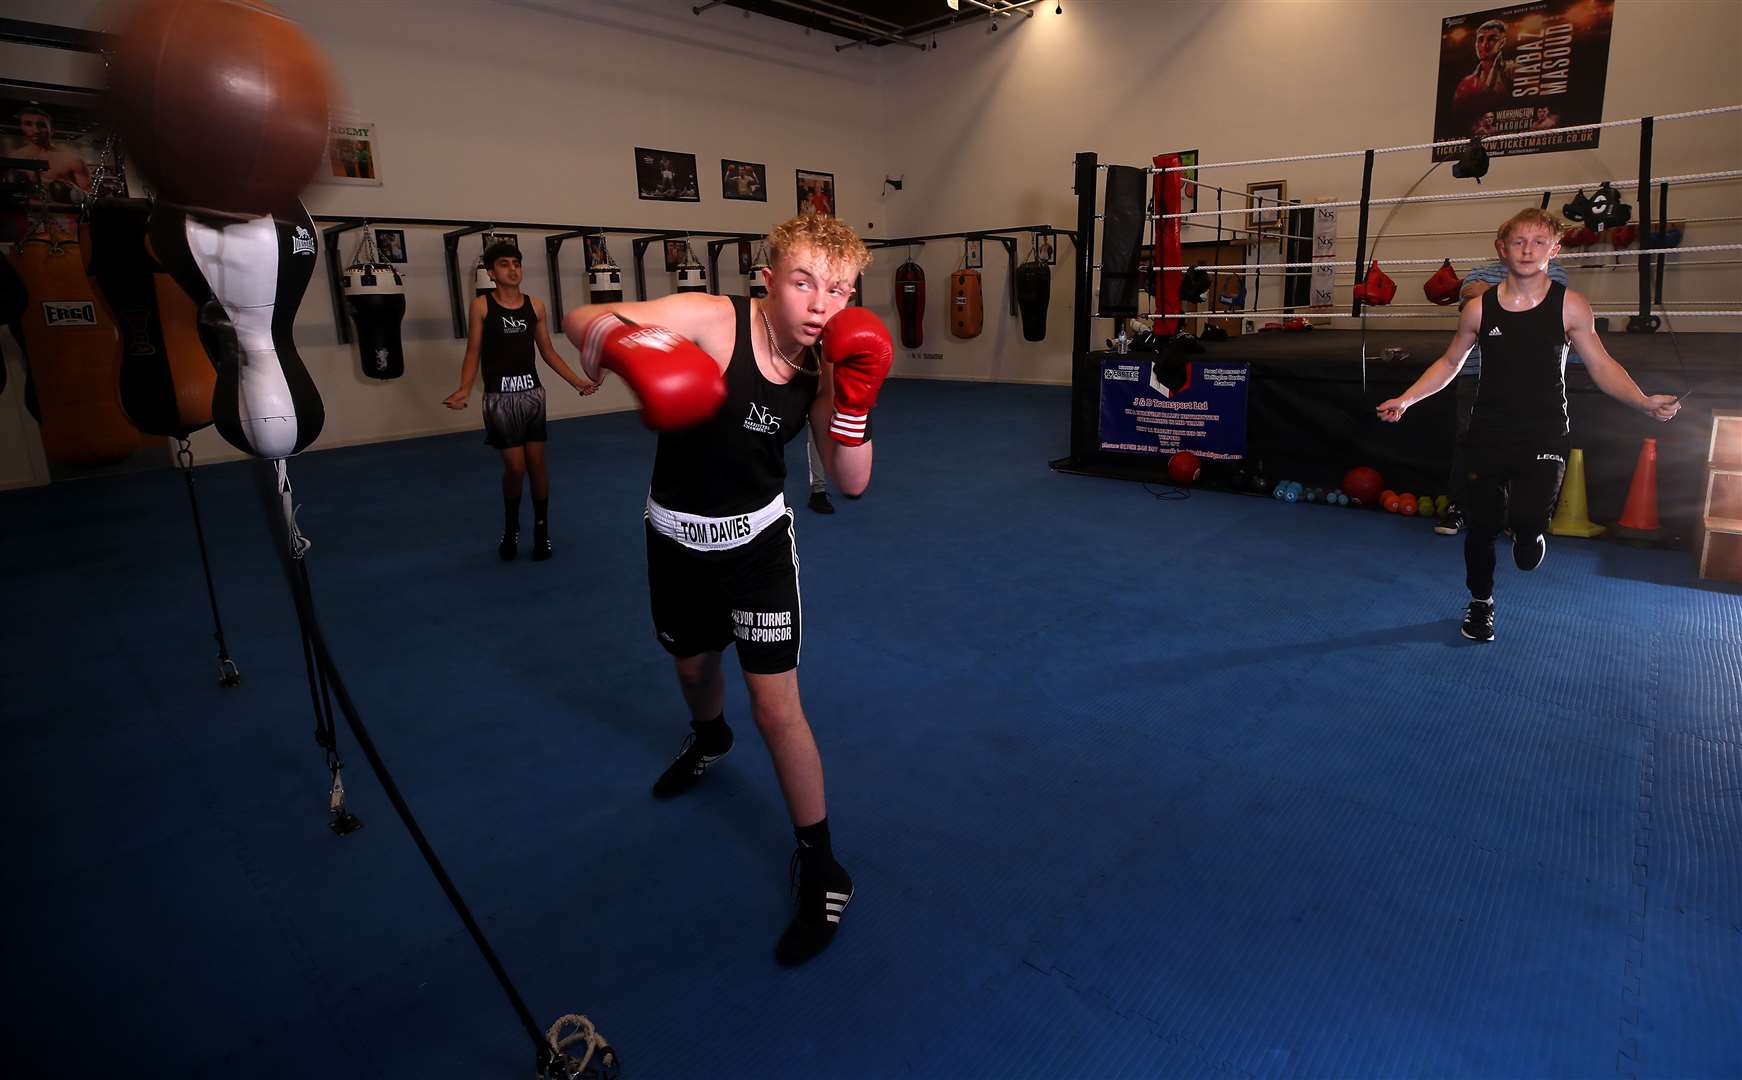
(1528, 554)
(1451, 522)
(1479, 621)
(509, 549)
(823, 895)
(820, 502)
(541, 549)
(692, 761)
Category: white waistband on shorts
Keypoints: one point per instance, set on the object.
(714, 533)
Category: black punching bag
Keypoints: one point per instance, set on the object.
(13, 297)
(1033, 293)
(375, 293)
(910, 303)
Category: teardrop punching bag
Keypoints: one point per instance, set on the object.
(375, 295)
(74, 356)
(247, 279)
(910, 303)
(166, 377)
(1033, 293)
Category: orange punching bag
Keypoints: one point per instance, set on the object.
(966, 309)
(166, 377)
(74, 356)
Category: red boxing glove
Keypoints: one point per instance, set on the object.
(1443, 287)
(1378, 289)
(677, 383)
(856, 343)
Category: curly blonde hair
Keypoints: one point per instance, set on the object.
(1532, 215)
(829, 237)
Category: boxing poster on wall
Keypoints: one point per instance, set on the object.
(666, 176)
(816, 191)
(743, 180)
(62, 128)
(1157, 407)
(1535, 67)
(353, 154)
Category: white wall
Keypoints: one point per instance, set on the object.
(988, 139)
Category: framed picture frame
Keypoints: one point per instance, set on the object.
(1272, 194)
(67, 129)
(666, 176)
(674, 253)
(1047, 246)
(744, 181)
(975, 253)
(816, 191)
(390, 245)
(353, 153)
(598, 252)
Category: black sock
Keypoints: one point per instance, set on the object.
(540, 514)
(813, 843)
(712, 734)
(511, 515)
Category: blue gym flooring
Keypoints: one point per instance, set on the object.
(1129, 787)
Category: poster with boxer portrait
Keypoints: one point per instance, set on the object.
(666, 175)
(1536, 67)
(816, 192)
(64, 129)
(353, 153)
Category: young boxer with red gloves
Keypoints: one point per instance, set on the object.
(729, 381)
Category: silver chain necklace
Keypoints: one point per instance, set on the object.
(772, 344)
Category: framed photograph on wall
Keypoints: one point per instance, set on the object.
(743, 180)
(353, 153)
(1047, 248)
(63, 127)
(974, 252)
(674, 254)
(666, 175)
(816, 191)
(1271, 195)
(598, 252)
(390, 244)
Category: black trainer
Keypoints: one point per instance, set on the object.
(823, 895)
(1528, 554)
(1451, 522)
(820, 502)
(509, 548)
(693, 759)
(1479, 621)
(541, 549)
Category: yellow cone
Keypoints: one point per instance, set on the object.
(1571, 518)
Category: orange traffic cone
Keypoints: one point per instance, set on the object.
(1571, 518)
(1639, 519)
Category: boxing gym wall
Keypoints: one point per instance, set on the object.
(499, 110)
(1263, 80)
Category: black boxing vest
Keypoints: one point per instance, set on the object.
(509, 353)
(375, 293)
(735, 462)
(1521, 399)
(1033, 293)
(910, 303)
